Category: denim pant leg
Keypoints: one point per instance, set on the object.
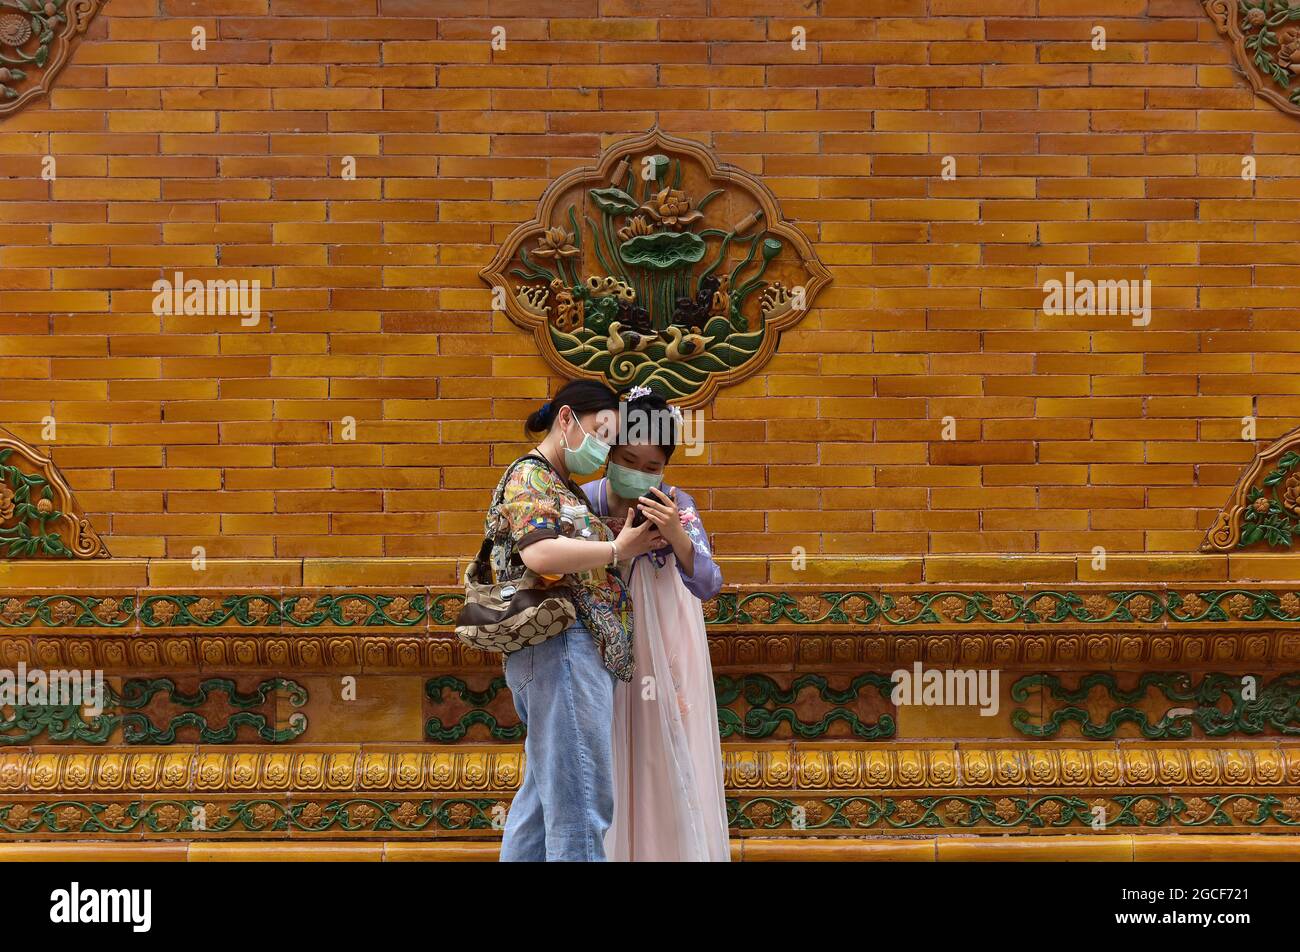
(568, 787)
(524, 840)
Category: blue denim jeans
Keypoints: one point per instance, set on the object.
(565, 697)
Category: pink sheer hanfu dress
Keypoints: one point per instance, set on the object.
(669, 803)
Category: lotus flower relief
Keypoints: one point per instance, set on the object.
(672, 209)
(556, 243)
(634, 272)
(636, 227)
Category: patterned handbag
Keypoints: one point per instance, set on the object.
(507, 616)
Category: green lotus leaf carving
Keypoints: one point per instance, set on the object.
(614, 201)
(663, 251)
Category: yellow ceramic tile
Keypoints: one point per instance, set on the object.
(63, 575)
(1263, 567)
(386, 709)
(286, 852)
(245, 573)
(446, 852)
(845, 850)
(1189, 848)
(92, 852)
(355, 573)
(966, 568)
(1102, 848)
(1121, 568)
(919, 721)
(848, 571)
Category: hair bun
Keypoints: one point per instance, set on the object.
(540, 419)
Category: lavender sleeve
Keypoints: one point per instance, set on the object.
(707, 580)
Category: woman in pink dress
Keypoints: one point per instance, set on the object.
(669, 803)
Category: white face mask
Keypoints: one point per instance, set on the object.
(631, 483)
(590, 454)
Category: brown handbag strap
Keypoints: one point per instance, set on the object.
(485, 550)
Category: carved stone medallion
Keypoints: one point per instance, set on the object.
(658, 268)
(36, 39)
(39, 518)
(1265, 38)
(1264, 510)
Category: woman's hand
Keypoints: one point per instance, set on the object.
(638, 540)
(661, 511)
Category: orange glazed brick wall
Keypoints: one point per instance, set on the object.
(227, 162)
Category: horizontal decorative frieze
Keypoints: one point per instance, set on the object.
(753, 768)
(743, 649)
(1226, 811)
(994, 606)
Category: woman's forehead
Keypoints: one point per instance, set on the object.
(603, 423)
(640, 453)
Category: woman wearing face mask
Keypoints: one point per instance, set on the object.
(669, 801)
(563, 688)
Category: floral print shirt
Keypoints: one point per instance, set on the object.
(537, 504)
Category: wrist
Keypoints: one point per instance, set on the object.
(613, 552)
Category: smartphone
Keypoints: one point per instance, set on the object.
(638, 516)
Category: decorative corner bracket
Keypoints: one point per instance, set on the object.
(36, 39)
(1265, 40)
(1265, 504)
(39, 518)
(658, 267)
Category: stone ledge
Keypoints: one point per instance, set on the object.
(1155, 848)
(740, 570)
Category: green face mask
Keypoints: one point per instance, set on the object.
(631, 483)
(588, 457)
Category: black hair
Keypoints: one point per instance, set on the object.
(650, 414)
(581, 396)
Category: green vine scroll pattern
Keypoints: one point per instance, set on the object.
(1272, 39)
(434, 729)
(1052, 811)
(1254, 706)
(768, 706)
(62, 611)
(1272, 510)
(37, 19)
(445, 607)
(359, 815)
(853, 608)
(347, 610)
(66, 722)
(27, 500)
(255, 815)
(1038, 607)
